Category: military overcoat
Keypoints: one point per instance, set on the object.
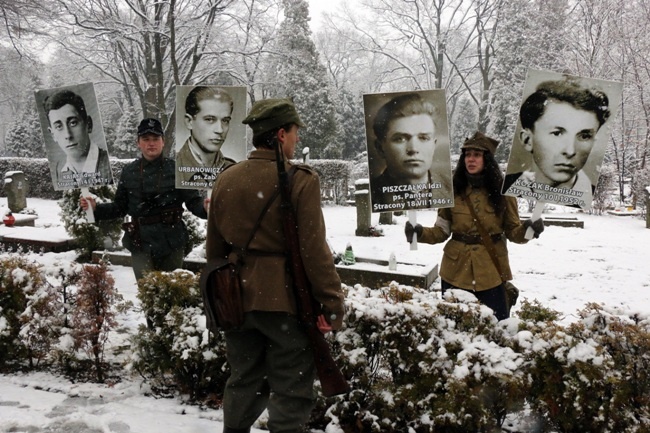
(239, 195)
(469, 266)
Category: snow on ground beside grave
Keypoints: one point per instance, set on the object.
(606, 262)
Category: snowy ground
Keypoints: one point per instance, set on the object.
(606, 262)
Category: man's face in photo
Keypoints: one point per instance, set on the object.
(561, 141)
(409, 147)
(70, 131)
(209, 127)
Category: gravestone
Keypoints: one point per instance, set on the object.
(362, 202)
(386, 218)
(16, 188)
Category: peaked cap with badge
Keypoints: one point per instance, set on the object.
(480, 141)
(150, 126)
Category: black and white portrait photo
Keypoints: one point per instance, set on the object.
(74, 137)
(209, 133)
(561, 138)
(408, 150)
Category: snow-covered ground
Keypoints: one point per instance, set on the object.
(606, 262)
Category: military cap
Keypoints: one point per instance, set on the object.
(267, 114)
(150, 126)
(480, 141)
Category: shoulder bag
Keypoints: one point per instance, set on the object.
(221, 287)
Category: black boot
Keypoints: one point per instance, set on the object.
(236, 430)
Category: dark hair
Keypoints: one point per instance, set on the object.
(410, 104)
(201, 93)
(268, 139)
(65, 97)
(568, 90)
(492, 180)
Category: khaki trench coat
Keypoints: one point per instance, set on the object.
(469, 266)
(238, 197)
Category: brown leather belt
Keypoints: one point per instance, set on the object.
(474, 239)
(172, 216)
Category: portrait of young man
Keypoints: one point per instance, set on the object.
(206, 122)
(561, 139)
(408, 150)
(74, 137)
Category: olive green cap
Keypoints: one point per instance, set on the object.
(480, 141)
(268, 114)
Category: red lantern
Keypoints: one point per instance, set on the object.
(9, 220)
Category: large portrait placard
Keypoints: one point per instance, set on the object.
(210, 135)
(561, 138)
(407, 137)
(74, 137)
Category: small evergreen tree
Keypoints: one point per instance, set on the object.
(352, 131)
(125, 135)
(298, 74)
(24, 137)
(464, 125)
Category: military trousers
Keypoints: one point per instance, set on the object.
(144, 262)
(495, 298)
(271, 367)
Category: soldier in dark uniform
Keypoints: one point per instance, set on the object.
(156, 235)
(270, 356)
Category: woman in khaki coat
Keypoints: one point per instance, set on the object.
(466, 263)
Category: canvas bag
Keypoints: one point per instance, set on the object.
(221, 293)
(221, 286)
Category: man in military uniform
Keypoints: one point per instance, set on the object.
(156, 234)
(270, 357)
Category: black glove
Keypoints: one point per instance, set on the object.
(537, 225)
(409, 230)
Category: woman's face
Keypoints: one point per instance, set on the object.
(474, 162)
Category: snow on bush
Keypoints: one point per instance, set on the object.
(416, 363)
(176, 352)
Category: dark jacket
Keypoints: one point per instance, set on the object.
(147, 189)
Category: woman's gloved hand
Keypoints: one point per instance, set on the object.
(537, 226)
(409, 230)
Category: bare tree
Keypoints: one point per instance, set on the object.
(146, 46)
(250, 42)
(21, 19)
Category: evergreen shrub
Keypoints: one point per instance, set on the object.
(49, 313)
(177, 352)
(20, 280)
(89, 237)
(420, 364)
